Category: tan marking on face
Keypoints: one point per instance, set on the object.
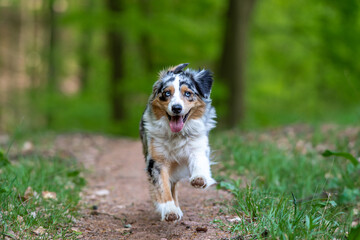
(159, 107)
(196, 106)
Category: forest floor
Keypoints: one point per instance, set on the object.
(117, 200)
(116, 204)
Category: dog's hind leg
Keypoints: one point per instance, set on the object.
(161, 191)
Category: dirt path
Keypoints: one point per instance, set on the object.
(118, 200)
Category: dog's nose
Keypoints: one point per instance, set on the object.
(176, 108)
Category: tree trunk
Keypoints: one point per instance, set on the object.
(34, 72)
(145, 40)
(233, 60)
(115, 43)
(51, 74)
(85, 48)
(10, 62)
(52, 45)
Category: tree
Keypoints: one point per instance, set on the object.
(339, 35)
(233, 59)
(52, 73)
(115, 42)
(145, 39)
(85, 48)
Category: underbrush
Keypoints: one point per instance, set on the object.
(285, 189)
(39, 197)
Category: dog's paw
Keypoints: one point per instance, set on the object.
(201, 182)
(198, 182)
(169, 211)
(172, 217)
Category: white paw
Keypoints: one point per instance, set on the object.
(169, 211)
(202, 181)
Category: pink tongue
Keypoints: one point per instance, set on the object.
(176, 123)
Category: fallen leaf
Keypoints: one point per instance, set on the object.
(20, 219)
(356, 211)
(102, 192)
(39, 231)
(33, 214)
(122, 230)
(29, 193)
(302, 147)
(235, 219)
(76, 230)
(27, 147)
(48, 195)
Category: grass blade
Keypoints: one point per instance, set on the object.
(3, 160)
(354, 233)
(346, 155)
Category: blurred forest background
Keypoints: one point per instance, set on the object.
(89, 65)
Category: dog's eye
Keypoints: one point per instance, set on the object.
(187, 94)
(167, 93)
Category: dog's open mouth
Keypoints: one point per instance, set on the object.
(177, 122)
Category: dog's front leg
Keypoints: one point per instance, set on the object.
(161, 191)
(199, 166)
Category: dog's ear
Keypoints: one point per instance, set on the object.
(179, 68)
(157, 88)
(203, 81)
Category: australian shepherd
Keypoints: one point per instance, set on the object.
(174, 131)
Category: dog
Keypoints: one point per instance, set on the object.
(174, 132)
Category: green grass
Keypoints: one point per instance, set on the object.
(22, 214)
(284, 188)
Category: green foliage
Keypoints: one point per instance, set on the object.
(285, 188)
(298, 50)
(348, 156)
(3, 160)
(23, 206)
(265, 214)
(301, 64)
(348, 183)
(354, 233)
(301, 61)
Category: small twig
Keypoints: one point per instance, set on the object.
(9, 235)
(295, 203)
(322, 196)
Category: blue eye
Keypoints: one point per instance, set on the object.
(167, 93)
(187, 94)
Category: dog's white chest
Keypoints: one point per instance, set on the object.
(174, 149)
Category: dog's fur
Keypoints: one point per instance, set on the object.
(174, 131)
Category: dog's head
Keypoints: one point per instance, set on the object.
(181, 95)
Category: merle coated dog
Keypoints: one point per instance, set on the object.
(174, 131)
